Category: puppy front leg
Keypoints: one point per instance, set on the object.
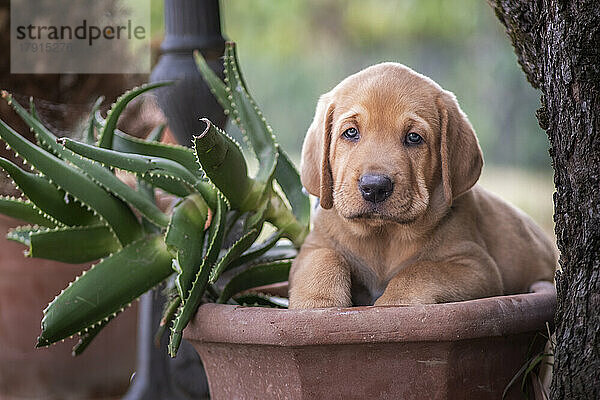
(319, 278)
(440, 282)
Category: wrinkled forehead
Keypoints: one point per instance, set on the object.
(386, 93)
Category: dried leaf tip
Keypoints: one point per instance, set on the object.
(208, 125)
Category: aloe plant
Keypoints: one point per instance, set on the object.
(79, 211)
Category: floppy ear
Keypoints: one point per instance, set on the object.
(460, 154)
(315, 170)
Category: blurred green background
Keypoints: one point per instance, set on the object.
(294, 50)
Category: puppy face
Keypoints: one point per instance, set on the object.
(384, 141)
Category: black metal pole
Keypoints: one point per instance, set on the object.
(189, 25)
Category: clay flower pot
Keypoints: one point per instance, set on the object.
(465, 350)
(26, 287)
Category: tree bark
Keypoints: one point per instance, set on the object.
(558, 46)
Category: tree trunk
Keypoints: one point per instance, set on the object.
(558, 46)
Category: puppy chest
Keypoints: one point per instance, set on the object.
(363, 295)
(372, 270)
(367, 284)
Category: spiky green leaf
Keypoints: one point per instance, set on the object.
(279, 252)
(74, 245)
(261, 300)
(48, 198)
(69, 178)
(223, 162)
(96, 172)
(256, 251)
(215, 84)
(185, 313)
(90, 138)
(249, 118)
(106, 288)
(21, 234)
(288, 178)
(252, 228)
(233, 252)
(24, 210)
(128, 144)
(168, 184)
(106, 135)
(87, 336)
(156, 134)
(171, 307)
(186, 236)
(110, 182)
(136, 163)
(286, 174)
(32, 109)
(258, 275)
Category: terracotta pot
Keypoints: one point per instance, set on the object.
(26, 287)
(465, 350)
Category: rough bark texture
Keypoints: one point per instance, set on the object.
(558, 46)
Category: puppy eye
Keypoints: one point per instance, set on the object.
(351, 134)
(413, 138)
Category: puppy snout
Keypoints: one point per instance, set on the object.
(375, 188)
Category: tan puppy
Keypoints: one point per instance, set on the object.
(394, 162)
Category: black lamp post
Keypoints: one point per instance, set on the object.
(189, 25)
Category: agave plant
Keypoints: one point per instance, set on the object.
(80, 211)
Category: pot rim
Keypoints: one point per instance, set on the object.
(471, 319)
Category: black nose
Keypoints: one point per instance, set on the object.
(375, 188)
